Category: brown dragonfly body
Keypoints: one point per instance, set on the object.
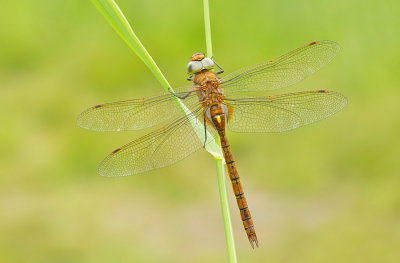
(217, 114)
(220, 103)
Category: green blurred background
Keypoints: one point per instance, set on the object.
(328, 192)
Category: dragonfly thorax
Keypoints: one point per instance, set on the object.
(209, 88)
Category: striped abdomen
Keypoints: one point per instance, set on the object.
(216, 112)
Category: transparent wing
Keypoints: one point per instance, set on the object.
(135, 114)
(283, 71)
(160, 148)
(283, 112)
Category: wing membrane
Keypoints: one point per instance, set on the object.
(283, 112)
(134, 114)
(160, 148)
(282, 71)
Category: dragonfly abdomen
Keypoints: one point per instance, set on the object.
(218, 120)
(238, 190)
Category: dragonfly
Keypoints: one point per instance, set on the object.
(218, 103)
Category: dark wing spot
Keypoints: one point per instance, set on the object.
(115, 151)
(313, 43)
(98, 106)
(322, 91)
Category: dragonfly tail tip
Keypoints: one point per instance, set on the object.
(253, 239)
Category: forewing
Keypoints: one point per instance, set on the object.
(282, 71)
(134, 114)
(160, 148)
(283, 112)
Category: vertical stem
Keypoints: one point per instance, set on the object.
(226, 214)
(219, 162)
(207, 26)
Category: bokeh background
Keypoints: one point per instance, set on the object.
(328, 192)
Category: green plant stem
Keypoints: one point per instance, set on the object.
(219, 162)
(226, 214)
(116, 18)
(207, 27)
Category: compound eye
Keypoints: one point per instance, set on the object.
(208, 63)
(194, 67)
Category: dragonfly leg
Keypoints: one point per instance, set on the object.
(221, 69)
(205, 133)
(181, 97)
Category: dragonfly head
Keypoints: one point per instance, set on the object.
(198, 62)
